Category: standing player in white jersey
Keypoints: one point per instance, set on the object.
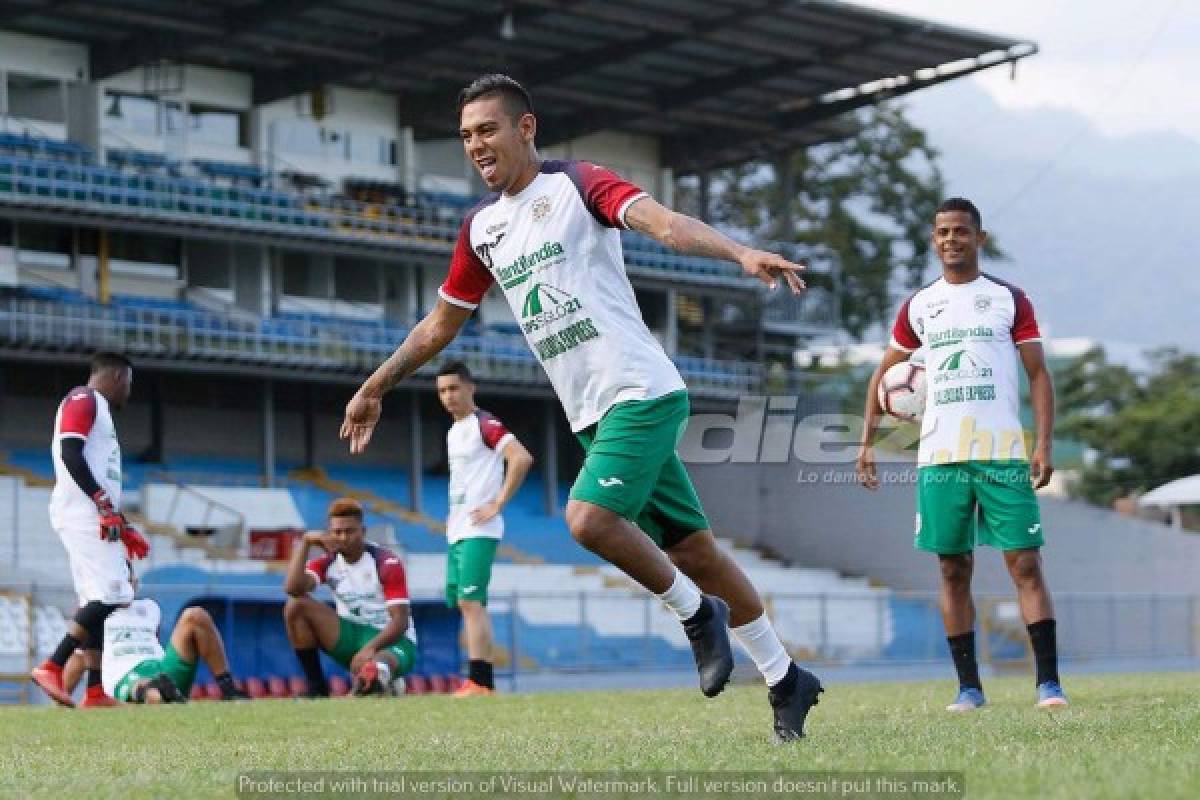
(487, 467)
(548, 234)
(975, 483)
(371, 633)
(85, 512)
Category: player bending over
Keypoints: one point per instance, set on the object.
(371, 633)
(548, 234)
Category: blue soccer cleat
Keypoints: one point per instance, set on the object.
(1051, 695)
(969, 698)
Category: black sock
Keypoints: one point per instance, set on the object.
(962, 650)
(1045, 650)
(480, 672)
(93, 678)
(66, 647)
(310, 661)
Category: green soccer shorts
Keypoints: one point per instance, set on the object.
(353, 635)
(632, 469)
(469, 569)
(977, 502)
(182, 674)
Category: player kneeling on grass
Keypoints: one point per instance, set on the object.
(371, 633)
(137, 669)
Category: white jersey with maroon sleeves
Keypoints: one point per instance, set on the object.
(971, 332)
(475, 447)
(365, 589)
(555, 250)
(130, 637)
(83, 414)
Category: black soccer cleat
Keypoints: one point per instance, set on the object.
(230, 691)
(166, 688)
(791, 707)
(708, 631)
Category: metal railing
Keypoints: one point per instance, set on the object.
(174, 198)
(323, 345)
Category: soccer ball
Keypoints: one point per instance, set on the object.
(396, 687)
(902, 391)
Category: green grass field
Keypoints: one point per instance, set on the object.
(1124, 736)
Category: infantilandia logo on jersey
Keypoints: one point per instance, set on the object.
(541, 208)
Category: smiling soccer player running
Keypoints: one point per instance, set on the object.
(548, 234)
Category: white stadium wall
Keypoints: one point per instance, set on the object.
(43, 57)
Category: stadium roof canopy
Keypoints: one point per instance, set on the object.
(720, 81)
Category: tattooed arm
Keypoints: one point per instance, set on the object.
(694, 238)
(424, 342)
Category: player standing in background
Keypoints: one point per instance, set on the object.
(548, 234)
(487, 467)
(85, 512)
(975, 483)
(138, 670)
(371, 633)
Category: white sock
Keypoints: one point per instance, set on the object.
(683, 597)
(762, 644)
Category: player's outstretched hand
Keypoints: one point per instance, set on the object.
(769, 268)
(135, 544)
(362, 414)
(867, 475)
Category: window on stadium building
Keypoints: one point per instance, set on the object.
(141, 115)
(52, 241)
(356, 280)
(217, 126)
(34, 98)
(298, 136)
(370, 148)
(304, 275)
(210, 264)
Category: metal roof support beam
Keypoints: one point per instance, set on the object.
(387, 54)
(140, 49)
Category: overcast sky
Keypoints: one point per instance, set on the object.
(1129, 66)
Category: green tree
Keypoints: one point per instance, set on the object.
(860, 209)
(1143, 430)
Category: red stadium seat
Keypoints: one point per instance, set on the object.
(197, 692)
(277, 687)
(255, 688)
(338, 686)
(438, 684)
(212, 691)
(416, 684)
(297, 685)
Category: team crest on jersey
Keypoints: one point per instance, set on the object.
(541, 208)
(982, 303)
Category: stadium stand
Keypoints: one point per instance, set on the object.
(287, 250)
